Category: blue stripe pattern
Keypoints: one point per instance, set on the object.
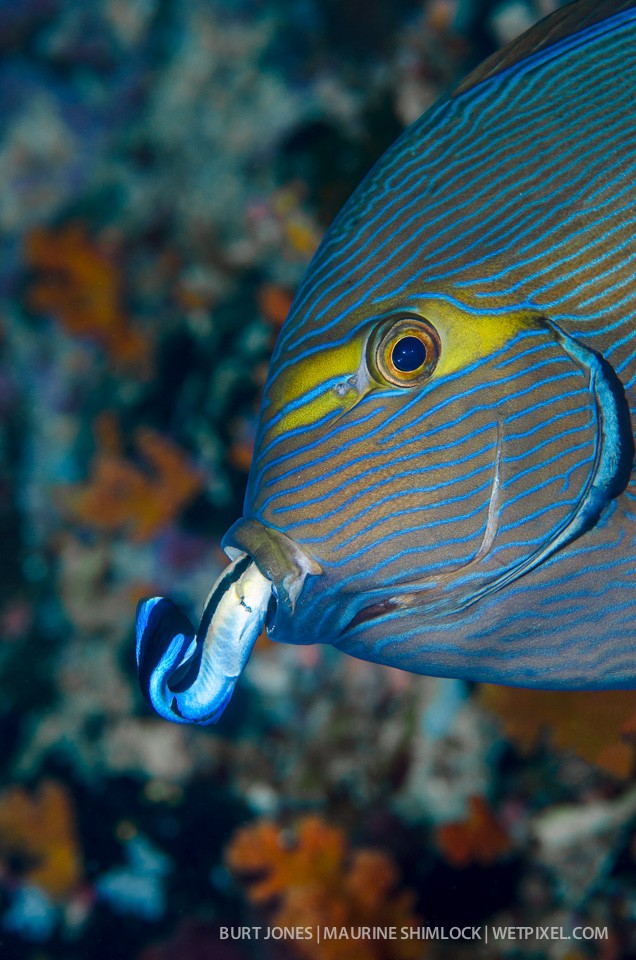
(482, 524)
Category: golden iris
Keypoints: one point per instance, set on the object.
(404, 351)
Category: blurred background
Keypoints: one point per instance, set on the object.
(167, 168)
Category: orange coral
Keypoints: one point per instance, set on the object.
(592, 724)
(38, 830)
(274, 302)
(80, 284)
(120, 496)
(317, 881)
(299, 230)
(478, 839)
(241, 453)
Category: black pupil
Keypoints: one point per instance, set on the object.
(408, 354)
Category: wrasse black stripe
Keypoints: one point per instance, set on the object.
(183, 676)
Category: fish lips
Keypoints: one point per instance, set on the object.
(279, 558)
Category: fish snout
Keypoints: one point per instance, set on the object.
(283, 561)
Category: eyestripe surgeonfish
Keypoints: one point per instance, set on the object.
(443, 475)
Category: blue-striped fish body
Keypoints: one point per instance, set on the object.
(443, 477)
(443, 474)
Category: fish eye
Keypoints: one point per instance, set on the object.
(404, 351)
(408, 354)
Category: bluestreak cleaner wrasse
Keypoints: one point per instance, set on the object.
(443, 475)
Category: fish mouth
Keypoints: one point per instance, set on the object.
(279, 558)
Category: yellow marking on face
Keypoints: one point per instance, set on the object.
(467, 337)
(344, 364)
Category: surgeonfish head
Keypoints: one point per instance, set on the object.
(443, 474)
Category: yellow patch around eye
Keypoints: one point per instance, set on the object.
(467, 337)
(333, 380)
(330, 381)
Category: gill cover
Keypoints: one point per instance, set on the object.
(608, 474)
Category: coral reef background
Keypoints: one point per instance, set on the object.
(167, 168)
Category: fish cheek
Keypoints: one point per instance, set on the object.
(565, 452)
